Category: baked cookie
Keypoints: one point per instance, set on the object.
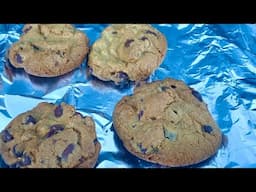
(49, 50)
(127, 52)
(166, 122)
(50, 136)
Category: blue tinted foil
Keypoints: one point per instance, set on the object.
(218, 61)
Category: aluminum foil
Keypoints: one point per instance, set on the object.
(218, 61)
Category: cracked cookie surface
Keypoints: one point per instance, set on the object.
(127, 51)
(50, 136)
(166, 122)
(49, 50)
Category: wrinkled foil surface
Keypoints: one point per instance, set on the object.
(217, 60)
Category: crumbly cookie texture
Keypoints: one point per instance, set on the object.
(50, 136)
(49, 50)
(127, 52)
(166, 122)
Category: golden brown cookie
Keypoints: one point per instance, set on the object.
(49, 50)
(127, 52)
(166, 122)
(50, 136)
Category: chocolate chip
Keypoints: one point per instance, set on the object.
(58, 111)
(207, 128)
(18, 58)
(164, 88)
(128, 42)
(35, 47)
(114, 32)
(169, 135)
(175, 112)
(173, 86)
(151, 32)
(17, 152)
(26, 160)
(27, 29)
(153, 118)
(196, 95)
(81, 160)
(54, 129)
(67, 151)
(140, 114)
(6, 136)
(30, 119)
(143, 150)
(124, 78)
(143, 38)
(60, 53)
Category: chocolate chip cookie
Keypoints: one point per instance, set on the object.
(49, 50)
(127, 52)
(167, 122)
(50, 136)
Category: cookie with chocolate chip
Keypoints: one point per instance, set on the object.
(50, 136)
(167, 122)
(127, 52)
(49, 50)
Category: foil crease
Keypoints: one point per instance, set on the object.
(217, 60)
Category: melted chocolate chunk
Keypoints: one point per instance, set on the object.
(58, 111)
(143, 38)
(124, 78)
(27, 29)
(26, 160)
(18, 58)
(143, 150)
(30, 119)
(207, 129)
(35, 47)
(6, 136)
(95, 141)
(128, 42)
(54, 129)
(151, 32)
(17, 152)
(69, 149)
(140, 114)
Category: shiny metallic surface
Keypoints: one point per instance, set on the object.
(219, 61)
